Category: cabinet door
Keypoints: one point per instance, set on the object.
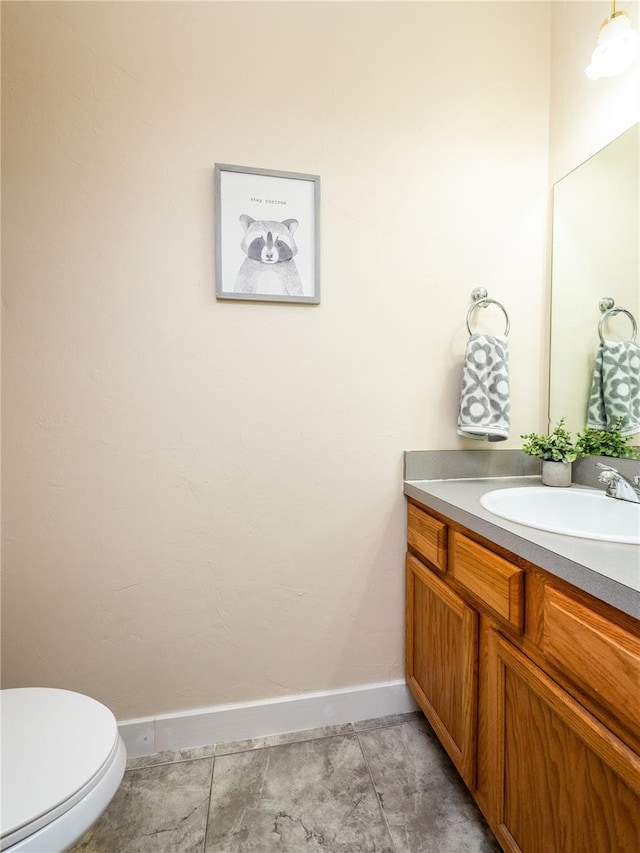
(565, 782)
(442, 662)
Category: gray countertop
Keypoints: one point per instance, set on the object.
(607, 570)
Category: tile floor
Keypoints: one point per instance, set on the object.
(377, 786)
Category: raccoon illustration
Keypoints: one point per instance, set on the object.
(269, 267)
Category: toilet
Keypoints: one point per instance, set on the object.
(62, 761)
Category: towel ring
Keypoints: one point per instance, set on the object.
(610, 313)
(482, 303)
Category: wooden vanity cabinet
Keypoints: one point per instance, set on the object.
(533, 688)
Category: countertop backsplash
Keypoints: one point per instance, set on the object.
(482, 464)
(468, 464)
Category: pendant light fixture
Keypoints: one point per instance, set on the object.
(618, 46)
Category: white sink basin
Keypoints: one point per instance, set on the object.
(588, 514)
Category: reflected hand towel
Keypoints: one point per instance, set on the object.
(485, 400)
(615, 387)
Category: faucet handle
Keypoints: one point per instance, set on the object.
(618, 486)
(608, 475)
(607, 471)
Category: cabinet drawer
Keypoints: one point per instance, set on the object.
(428, 536)
(495, 582)
(599, 656)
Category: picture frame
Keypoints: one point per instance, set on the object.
(267, 235)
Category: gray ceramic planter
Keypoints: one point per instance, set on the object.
(556, 473)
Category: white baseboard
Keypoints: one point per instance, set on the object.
(223, 723)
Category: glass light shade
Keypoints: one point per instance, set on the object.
(618, 46)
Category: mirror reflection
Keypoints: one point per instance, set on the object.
(596, 256)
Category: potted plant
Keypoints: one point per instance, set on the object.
(557, 451)
(601, 442)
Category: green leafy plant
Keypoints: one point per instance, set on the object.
(601, 442)
(558, 446)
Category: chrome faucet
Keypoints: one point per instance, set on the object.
(618, 486)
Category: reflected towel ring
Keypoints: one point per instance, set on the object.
(482, 303)
(610, 313)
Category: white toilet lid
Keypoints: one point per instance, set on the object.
(53, 743)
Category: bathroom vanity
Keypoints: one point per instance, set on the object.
(526, 663)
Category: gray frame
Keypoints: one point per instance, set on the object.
(223, 288)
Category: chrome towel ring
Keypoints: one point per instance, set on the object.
(609, 313)
(481, 300)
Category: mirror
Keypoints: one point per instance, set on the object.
(596, 254)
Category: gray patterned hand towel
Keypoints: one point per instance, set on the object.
(615, 387)
(484, 400)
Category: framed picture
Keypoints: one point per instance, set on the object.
(267, 235)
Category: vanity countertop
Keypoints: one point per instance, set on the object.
(607, 570)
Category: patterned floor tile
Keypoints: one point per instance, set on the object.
(427, 807)
(159, 809)
(389, 720)
(170, 757)
(314, 796)
(278, 740)
(377, 786)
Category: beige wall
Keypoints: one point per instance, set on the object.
(202, 500)
(585, 114)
